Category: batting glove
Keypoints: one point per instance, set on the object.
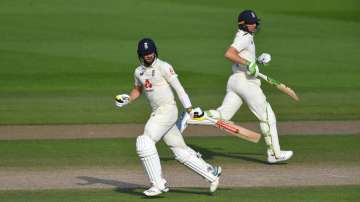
(264, 58)
(122, 100)
(252, 69)
(197, 112)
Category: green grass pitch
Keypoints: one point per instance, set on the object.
(63, 61)
(60, 154)
(294, 194)
(50, 154)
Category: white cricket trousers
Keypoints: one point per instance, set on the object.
(241, 87)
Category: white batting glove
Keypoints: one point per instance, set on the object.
(264, 58)
(122, 100)
(197, 112)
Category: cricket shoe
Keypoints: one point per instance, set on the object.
(214, 185)
(181, 123)
(155, 190)
(284, 156)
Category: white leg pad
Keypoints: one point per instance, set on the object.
(269, 130)
(193, 160)
(149, 157)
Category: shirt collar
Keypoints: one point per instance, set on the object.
(244, 32)
(155, 63)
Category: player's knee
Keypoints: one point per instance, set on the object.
(152, 133)
(145, 146)
(271, 119)
(264, 127)
(268, 116)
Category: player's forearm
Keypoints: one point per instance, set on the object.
(233, 55)
(135, 93)
(182, 95)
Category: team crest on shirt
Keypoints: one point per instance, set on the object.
(142, 71)
(148, 86)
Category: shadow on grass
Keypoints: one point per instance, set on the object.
(209, 154)
(120, 186)
(137, 189)
(195, 191)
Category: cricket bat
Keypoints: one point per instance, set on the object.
(236, 130)
(282, 87)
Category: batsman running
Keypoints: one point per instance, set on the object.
(244, 86)
(155, 78)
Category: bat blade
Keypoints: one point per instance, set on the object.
(287, 91)
(282, 87)
(238, 131)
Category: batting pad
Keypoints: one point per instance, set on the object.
(149, 157)
(193, 160)
(268, 128)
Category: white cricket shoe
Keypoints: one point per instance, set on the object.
(155, 190)
(181, 123)
(284, 156)
(214, 185)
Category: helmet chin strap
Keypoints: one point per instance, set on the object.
(142, 60)
(244, 28)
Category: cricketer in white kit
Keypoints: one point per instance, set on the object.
(243, 86)
(155, 78)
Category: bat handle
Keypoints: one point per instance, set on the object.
(269, 79)
(263, 76)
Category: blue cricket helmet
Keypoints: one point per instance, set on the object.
(247, 17)
(146, 46)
